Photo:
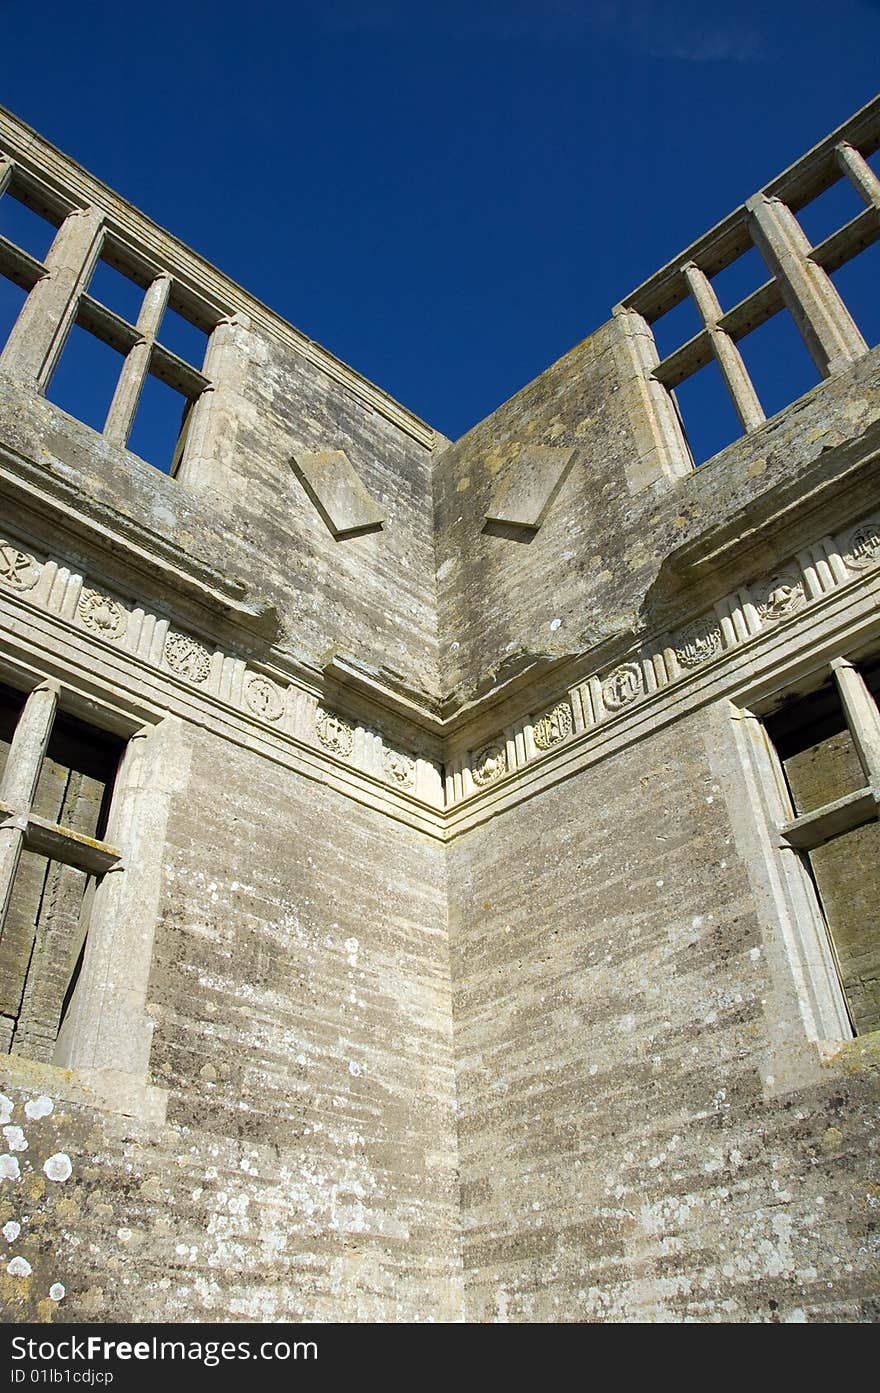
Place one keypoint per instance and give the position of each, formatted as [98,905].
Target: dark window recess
[160,425]
[676,326]
[817,751]
[706,412]
[778,362]
[183,338]
[42,941]
[12,297]
[740,278]
[24,227]
[85,378]
[11,703]
[117,291]
[838,205]
[858,283]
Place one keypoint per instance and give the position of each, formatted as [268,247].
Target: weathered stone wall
[300,986]
[623,1156]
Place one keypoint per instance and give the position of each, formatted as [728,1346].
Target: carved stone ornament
[778,596]
[263,698]
[187,657]
[622,686]
[17,568]
[400,769]
[334,733]
[863,547]
[554,726]
[489,763]
[101,614]
[698,643]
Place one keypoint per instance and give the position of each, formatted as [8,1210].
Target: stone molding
[396,771]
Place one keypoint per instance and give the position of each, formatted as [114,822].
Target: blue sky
[448,196]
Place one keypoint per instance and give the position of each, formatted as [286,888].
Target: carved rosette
[264,698]
[334,733]
[187,657]
[17,569]
[863,546]
[778,596]
[489,763]
[554,726]
[102,615]
[698,643]
[400,769]
[622,686]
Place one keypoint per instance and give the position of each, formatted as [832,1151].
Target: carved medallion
[187,657]
[101,614]
[334,733]
[863,547]
[400,769]
[622,686]
[17,568]
[264,698]
[489,763]
[698,643]
[553,726]
[778,596]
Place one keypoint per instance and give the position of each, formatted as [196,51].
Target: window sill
[109,1090]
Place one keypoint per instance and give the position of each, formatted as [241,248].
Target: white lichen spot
[754,954]
[11,1231]
[554,625]
[19,1267]
[594,1069]
[39,1107]
[15,1139]
[58,1167]
[57,1291]
[6,1106]
[9,1168]
[124,1235]
[354,1069]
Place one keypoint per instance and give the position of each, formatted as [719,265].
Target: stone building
[439,880]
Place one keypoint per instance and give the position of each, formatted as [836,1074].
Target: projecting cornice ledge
[137,557]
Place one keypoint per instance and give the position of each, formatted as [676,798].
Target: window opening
[707,417]
[85,378]
[26,228]
[777,362]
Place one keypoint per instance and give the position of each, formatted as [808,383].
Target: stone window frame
[104,1044]
[806,986]
[799,280]
[58,298]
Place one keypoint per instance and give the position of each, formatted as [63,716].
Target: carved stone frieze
[698,642]
[779,595]
[187,657]
[264,698]
[334,733]
[489,763]
[863,545]
[103,615]
[17,569]
[400,769]
[553,726]
[622,686]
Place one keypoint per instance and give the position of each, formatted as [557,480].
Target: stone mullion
[862,717]
[859,173]
[34,346]
[20,777]
[727,355]
[6,168]
[120,416]
[828,329]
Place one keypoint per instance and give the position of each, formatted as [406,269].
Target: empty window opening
[43,934]
[159,430]
[116,291]
[706,413]
[858,283]
[183,337]
[12,297]
[85,378]
[778,363]
[27,229]
[833,827]
[737,281]
[676,326]
[830,210]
